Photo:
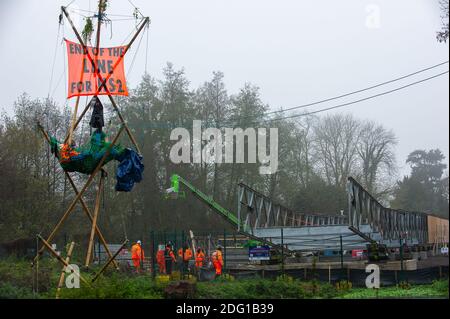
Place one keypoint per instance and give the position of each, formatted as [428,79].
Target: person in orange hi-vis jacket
[218,261]
[160,261]
[137,255]
[185,254]
[199,258]
[169,259]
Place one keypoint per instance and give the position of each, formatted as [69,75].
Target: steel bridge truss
[391,224]
[255,211]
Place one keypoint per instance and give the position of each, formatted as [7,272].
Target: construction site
[243,231]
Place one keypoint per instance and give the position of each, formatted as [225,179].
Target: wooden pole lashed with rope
[60,259]
[63,272]
[75,120]
[94,222]
[83,204]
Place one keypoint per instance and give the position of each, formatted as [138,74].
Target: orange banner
[83,78]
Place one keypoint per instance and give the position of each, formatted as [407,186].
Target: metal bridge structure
[260,218]
[276,223]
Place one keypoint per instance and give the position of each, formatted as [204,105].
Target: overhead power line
[357,91]
[359,100]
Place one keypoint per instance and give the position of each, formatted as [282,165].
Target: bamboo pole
[110,260]
[86,185]
[83,204]
[63,272]
[74,117]
[103,81]
[55,254]
[94,222]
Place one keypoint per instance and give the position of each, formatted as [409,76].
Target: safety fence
[356,276]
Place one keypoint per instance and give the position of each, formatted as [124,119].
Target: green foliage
[425,189]
[441,286]
[285,277]
[343,286]
[437,289]
[8,291]
[404,285]
[225,278]
[263,288]
[118,286]
[88,29]
[16,282]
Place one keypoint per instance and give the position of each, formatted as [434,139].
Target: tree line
[316,155]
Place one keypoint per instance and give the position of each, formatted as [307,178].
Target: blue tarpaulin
[129,171]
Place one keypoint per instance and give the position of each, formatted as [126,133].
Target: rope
[65,67]
[109,14]
[123,225]
[135,54]
[54,60]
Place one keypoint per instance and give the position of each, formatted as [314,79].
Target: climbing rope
[54,58]
[134,56]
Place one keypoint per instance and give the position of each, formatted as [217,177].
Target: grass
[439,289]
[16,283]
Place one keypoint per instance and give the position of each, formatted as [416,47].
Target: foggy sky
[296,51]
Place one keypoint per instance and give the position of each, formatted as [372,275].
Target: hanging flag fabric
[85,80]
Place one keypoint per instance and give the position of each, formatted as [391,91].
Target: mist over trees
[426,189]
[316,155]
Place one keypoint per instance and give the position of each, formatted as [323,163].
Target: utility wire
[360,100]
[357,91]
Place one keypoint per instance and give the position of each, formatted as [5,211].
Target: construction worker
[137,255]
[184,254]
[217,260]
[169,258]
[160,260]
[199,258]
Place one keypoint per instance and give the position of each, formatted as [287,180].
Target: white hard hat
[139,242]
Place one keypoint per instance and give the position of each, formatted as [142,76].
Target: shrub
[441,286]
[404,285]
[285,277]
[8,291]
[225,277]
[343,286]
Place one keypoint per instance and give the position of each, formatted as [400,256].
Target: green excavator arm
[174,192]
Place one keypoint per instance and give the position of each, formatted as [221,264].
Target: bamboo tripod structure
[93,217]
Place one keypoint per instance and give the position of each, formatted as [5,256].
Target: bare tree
[376,152]
[442,35]
[336,140]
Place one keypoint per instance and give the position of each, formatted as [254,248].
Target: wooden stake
[110,260]
[55,254]
[63,272]
[94,222]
